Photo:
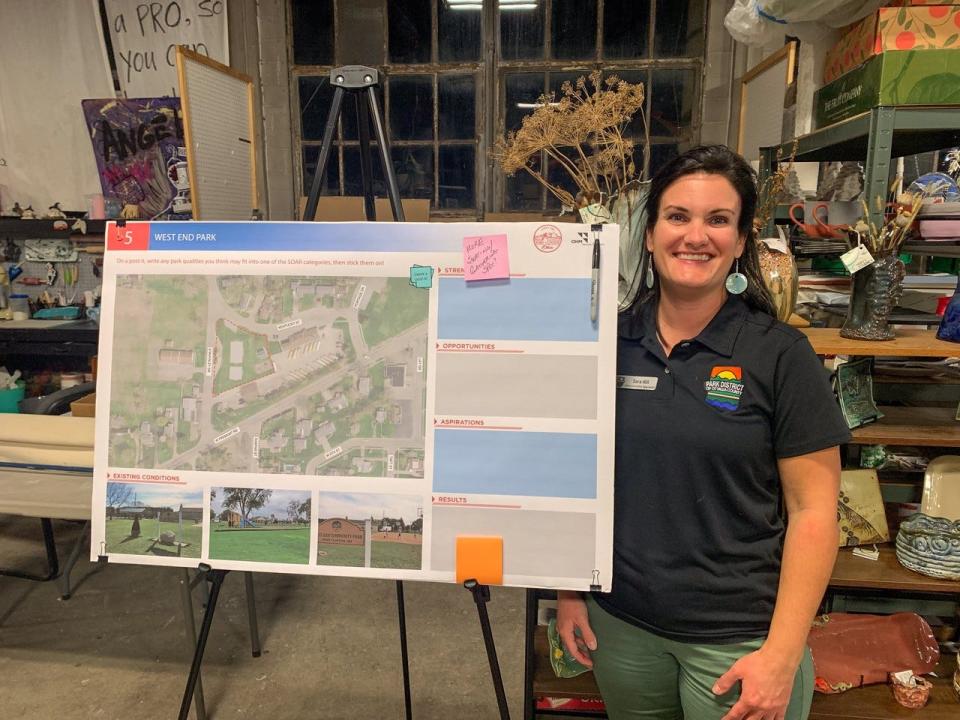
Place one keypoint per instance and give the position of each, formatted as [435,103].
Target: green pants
[642,675]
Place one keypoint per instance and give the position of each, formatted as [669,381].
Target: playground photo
[370,530]
[260,525]
[157,520]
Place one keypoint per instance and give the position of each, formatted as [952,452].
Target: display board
[144,36]
[218,124]
[338,398]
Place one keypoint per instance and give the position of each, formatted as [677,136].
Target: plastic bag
[762,22]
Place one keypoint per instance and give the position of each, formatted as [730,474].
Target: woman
[722,414]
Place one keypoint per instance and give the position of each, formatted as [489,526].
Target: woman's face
[695,241]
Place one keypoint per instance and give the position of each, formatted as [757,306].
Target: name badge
[636,382]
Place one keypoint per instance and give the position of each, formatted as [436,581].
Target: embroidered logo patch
[724,387]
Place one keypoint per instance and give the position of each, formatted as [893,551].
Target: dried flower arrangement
[584,133]
[887,239]
[772,189]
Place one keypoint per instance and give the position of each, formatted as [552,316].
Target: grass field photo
[260,525]
[153,520]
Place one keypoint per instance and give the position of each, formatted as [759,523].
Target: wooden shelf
[43,228]
[922,426]
[874,702]
[886,574]
[910,342]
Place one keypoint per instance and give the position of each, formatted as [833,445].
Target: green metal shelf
[873,137]
[915,129]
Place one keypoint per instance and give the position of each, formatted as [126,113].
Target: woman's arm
[811,484]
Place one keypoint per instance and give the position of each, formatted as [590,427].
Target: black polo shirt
[697,529]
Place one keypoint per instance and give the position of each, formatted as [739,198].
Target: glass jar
[20,306]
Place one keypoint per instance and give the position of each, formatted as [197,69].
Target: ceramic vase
[930,546]
[779,272]
[875,293]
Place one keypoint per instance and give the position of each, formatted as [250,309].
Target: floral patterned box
[916,26]
[907,77]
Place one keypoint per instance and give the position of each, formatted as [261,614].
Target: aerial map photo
[269,374]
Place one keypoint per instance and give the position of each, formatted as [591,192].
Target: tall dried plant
[584,133]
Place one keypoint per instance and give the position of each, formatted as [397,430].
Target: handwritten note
[145,36]
[485,257]
[421,276]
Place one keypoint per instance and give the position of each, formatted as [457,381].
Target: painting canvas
[141,155]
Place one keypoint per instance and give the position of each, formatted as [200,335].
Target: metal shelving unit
[875,137]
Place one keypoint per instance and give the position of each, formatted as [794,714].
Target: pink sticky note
[485,257]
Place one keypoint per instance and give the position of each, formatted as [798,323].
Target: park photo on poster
[157,520]
[260,525]
[370,530]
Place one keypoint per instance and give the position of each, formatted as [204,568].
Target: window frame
[489,73]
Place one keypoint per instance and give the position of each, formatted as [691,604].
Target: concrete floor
[118,649]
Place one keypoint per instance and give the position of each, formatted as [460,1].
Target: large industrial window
[460,73]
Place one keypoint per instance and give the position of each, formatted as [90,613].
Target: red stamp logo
[132,236]
[547,238]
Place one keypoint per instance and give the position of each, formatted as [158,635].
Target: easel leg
[481,596]
[393,189]
[215,578]
[252,615]
[186,595]
[404,657]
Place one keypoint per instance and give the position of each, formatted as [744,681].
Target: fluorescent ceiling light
[504,4]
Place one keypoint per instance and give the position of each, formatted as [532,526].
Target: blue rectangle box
[498,462]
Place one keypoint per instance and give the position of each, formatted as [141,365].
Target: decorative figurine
[28,213]
[55,213]
[17,210]
[51,273]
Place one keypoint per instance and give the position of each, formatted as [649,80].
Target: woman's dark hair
[714,160]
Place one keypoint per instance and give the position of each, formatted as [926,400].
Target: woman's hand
[765,686]
[572,616]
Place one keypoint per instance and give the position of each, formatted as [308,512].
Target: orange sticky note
[485,257]
[480,558]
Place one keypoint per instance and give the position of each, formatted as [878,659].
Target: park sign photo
[352,398]
[339,531]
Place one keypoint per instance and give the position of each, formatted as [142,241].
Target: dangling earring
[648,279]
[736,282]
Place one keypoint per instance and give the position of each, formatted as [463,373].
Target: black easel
[215,579]
[481,596]
[361,82]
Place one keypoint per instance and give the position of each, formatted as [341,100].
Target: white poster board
[336,399]
[763,90]
[145,36]
[220,137]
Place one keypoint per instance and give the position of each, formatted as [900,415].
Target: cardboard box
[85,406]
[349,208]
[909,77]
[915,27]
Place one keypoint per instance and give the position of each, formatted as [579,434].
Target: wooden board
[217,106]
[910,342]
[924,426]
[886,573]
